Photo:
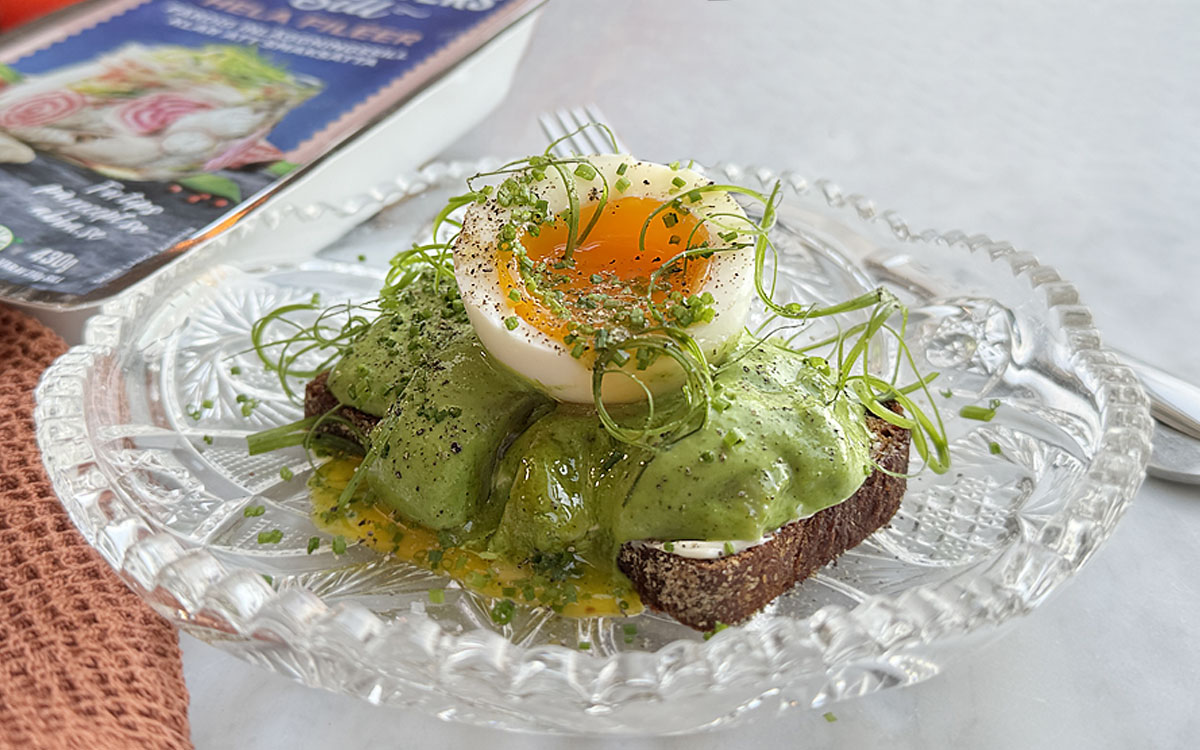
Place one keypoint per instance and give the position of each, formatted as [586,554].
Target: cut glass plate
[143,436]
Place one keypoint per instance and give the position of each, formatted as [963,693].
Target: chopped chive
[670,219]
[728,548]
[270,581]
[733,437]
[946,393]
[994,448]
[207,403]
[235,370]
[718,626]
[437,596]
[674,165]
[584,646]
[585,171]
[577,351]
[622,184]
[313,543]
[621,169]
[829,717]
[679,182]
[253,511]
[994,403]
[339,545]
[274,536]
[694,196]
[511,322]
[502,612]
[208,440]
[286,474]
[596,278]
[514,295]
[977,412]
[668,546]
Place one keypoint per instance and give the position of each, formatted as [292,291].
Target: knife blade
[1175,406]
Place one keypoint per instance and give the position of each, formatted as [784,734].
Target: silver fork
[576,127]
[1175,404]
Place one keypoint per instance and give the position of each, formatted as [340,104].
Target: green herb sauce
[475,452]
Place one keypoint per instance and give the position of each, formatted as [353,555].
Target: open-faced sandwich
[557,401]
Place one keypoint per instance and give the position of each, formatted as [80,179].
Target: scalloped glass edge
[782,662]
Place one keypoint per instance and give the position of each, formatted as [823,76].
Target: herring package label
[133,129]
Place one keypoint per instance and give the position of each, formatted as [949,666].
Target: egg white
[548,362]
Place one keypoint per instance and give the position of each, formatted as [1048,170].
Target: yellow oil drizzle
[597,593]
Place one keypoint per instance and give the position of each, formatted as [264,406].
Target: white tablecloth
[1071,130]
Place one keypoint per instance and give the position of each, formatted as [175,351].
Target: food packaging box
[133,131]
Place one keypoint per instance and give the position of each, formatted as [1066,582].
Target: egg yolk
[607,279]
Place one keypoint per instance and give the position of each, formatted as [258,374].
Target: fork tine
[593,114]
[598,142]
[589,140]
[579,143]
[590,134]
[554,131]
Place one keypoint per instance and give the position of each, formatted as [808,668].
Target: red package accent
[13,13]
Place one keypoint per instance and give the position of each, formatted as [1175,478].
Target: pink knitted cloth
[83,662]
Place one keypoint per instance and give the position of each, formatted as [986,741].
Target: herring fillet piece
[703,592]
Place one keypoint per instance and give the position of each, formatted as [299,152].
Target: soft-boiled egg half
[544,311]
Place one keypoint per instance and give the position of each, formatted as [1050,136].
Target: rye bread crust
[318,400]
[729,589]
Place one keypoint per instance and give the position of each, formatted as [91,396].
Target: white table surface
[1069,129]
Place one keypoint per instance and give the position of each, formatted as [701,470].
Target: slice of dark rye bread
[703,592]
